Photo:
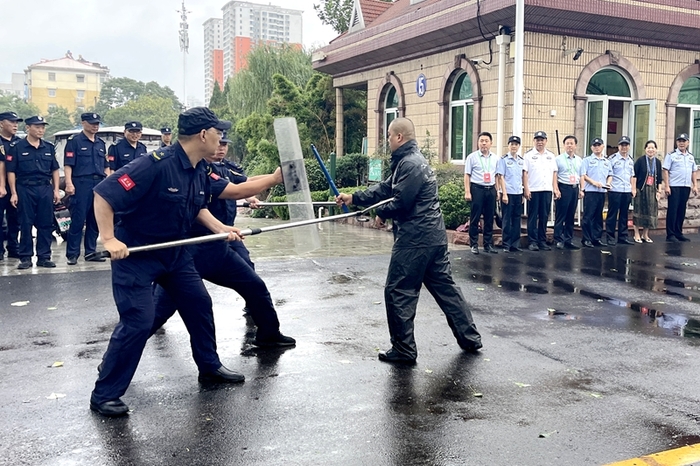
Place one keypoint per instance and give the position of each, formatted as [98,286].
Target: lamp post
[184,48]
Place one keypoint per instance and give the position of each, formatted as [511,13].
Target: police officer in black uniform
[85,165]
[32,171]
[8,135]
[158,198]
[127,149]
[166,136]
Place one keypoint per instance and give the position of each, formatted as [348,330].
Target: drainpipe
[502,40]
[518,79]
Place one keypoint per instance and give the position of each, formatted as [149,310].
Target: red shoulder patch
[126,182]
[8,158]
[69,154]
[215,177]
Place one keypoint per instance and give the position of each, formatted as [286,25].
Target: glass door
[596,120]
[695,135]
[643,125]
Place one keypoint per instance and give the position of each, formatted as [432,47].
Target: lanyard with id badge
[486,170]
[650,172]
[572,173]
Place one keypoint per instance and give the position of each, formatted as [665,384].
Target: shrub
[351,170]
[455,209]
[448,173]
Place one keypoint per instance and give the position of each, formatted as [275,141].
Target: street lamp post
[184,48]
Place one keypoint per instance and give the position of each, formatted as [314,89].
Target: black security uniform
[419,255]
[221,265]
[88,160]
[235,175]
[33,168]
[7,209]
[123,152]
[158,198]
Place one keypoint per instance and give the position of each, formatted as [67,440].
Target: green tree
[335,13]
[118,91]
[218,100]
[59,119]
[14,103]
[152,111]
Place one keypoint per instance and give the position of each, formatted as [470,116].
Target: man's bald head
[401,130]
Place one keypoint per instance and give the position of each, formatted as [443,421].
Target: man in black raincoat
[419,256]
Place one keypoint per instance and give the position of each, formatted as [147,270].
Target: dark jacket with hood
[415,210]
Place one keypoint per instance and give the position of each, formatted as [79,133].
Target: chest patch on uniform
[69,154]
[126,182]
[215,177]
[173,190]
[110,158]
[8,158]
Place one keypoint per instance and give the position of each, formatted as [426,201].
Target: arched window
[391,108]
[461,118]
[688,113]
[608,82]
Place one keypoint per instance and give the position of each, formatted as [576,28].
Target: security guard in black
[127,149]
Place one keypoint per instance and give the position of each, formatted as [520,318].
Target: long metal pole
[245,232]
[518,76]
[502,41]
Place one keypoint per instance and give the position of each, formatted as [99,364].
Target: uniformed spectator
[539,182]
[159,197]
[166,135]
[127,149]
[33,175]
[85,165]
[228,267]
[509,173]
[623,188]
[480,190]
[595,174]
[648,175]
[679,179]
[8,135]
[568,164]
[419,256]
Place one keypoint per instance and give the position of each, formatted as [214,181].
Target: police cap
[514,139]
[91,118]
[597,142]
[683,137]
[540,135]
[195,119]
[225,139]
[133,126]
[623,140]
[166,130]
[9,116]
[35,120]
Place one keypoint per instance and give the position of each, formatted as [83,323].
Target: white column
[518,79]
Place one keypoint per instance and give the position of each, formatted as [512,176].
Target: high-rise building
[244,25]
[213,56]
[65,82]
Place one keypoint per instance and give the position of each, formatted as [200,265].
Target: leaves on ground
[19,303]
[55,396]
[547,434]
[596,395]
[57,364]
[522,385]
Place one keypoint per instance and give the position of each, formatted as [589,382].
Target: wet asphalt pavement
[589,357]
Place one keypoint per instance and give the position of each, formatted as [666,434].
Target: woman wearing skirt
[647,173]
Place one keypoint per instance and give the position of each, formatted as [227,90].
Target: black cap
[194,120]
[540,135]
[681,137]
[225,139]
[597,142]
[35,120]
[166,130]
[9,116]
[91,118]
[133,125]
[623,140]
[514,139]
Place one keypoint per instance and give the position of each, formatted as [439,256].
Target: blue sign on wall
[421,85]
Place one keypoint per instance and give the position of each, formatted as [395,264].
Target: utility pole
[184,48]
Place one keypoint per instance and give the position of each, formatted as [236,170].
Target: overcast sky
[134,38]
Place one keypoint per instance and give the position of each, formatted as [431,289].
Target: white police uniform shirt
[680,168]
[481,169]
[598,169]
[568,169]
[622,172]
[540,168]
[511,169]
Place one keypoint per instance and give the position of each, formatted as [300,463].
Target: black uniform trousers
[483,203]
[410,268]
[216,262]
[82,215]
[35,208]
[592,227]
[537,215]
[239,248]
[565,212]
[10,213]
[618,214]
[512,212]
[677,203]
[132,286]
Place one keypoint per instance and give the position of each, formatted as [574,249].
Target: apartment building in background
[15,86]
[65,82]
[244,25]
